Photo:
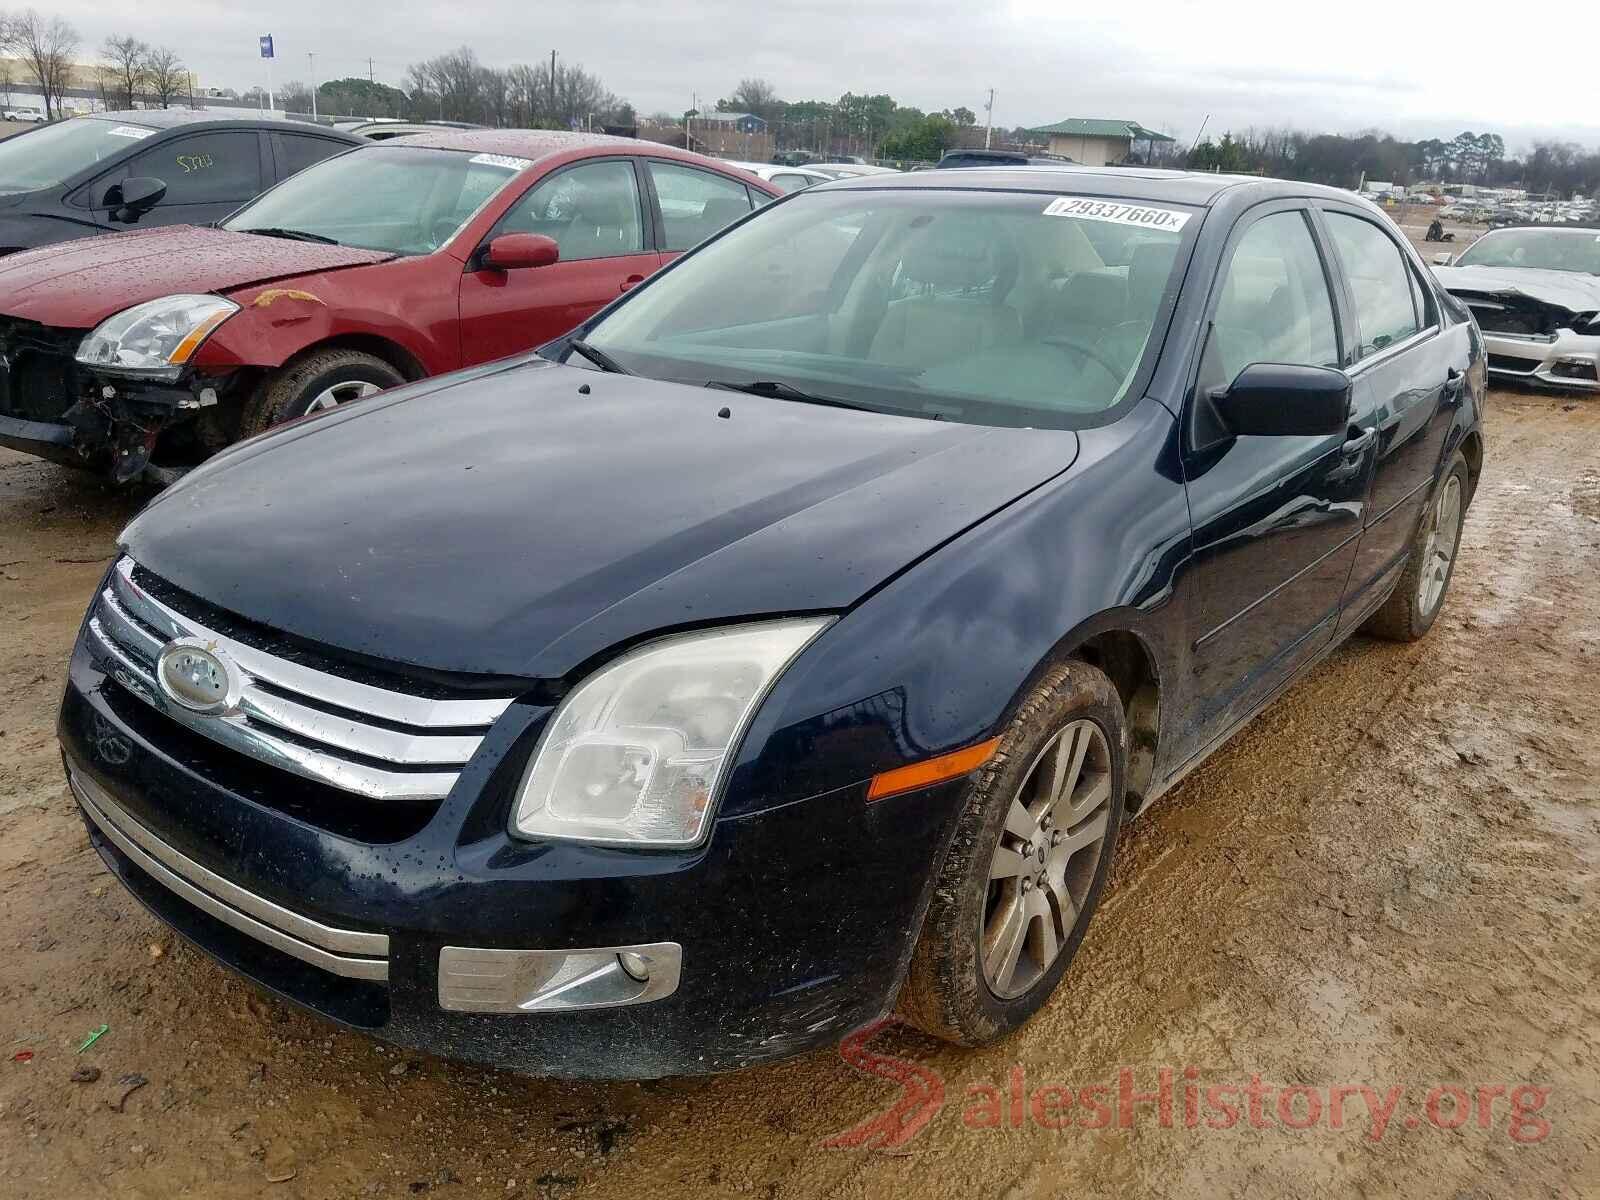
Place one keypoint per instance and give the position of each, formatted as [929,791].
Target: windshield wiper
[778,390]
[294,235]
[598,357]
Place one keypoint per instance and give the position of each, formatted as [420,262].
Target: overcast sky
[1358,64]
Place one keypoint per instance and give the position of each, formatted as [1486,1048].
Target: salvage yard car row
[786,639]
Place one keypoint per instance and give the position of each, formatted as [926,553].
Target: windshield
[405,200]
[52,154]
[1549,249]
[992,308]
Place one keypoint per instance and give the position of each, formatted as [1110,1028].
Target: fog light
[485,979]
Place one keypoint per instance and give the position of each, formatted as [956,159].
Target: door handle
[1356,438]
[1453,382]
[631,282]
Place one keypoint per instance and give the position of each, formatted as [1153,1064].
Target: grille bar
[347,952]
[280,718]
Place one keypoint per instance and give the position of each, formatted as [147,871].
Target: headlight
[157,338]
[634,756]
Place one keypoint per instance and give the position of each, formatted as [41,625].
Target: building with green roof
[1095,142]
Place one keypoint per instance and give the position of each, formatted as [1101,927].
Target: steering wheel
[1089,351]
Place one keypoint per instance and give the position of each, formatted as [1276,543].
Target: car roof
[1133,183]
[174,118]
[535,144]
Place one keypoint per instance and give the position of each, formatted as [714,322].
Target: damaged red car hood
[76,285]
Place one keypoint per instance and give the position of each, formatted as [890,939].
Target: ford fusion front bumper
[787,929]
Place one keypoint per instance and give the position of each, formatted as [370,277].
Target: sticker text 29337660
[1144,216]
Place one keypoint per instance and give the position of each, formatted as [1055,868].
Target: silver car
[1535,292]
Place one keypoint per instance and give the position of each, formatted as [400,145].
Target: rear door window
[695,204]
[1385,302]
[297,151]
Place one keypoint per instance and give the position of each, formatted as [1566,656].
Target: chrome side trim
[397,707]
[310,941]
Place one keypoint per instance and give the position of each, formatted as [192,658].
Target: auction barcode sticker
[1142,215]
[131,131]
[509,162]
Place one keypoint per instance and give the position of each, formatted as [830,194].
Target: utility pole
[311,59]
[688,120]
[988,119]
[552,85]
[370,77]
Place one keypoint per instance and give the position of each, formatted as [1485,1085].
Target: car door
[1404,389]
[207,174]
[1276,520]
[692,204]
[594,210]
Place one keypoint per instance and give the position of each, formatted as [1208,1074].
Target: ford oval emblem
[194,674]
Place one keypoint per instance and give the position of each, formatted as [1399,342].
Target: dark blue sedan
[791,641]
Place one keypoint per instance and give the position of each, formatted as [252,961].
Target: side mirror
[1443,260]
[135,197]
[1280,400]
[517,251]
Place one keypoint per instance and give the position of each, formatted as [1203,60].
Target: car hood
[1561,289]
[504,523]
[78,284]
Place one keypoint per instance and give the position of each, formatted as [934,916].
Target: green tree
[923,142]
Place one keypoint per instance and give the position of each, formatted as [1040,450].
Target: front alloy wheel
[1044,863]
[1032,845]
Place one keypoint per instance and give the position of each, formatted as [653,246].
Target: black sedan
[125,170]
[791,641]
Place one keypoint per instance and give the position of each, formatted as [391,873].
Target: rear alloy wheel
[322,380]
[1026,865]
[1412,607]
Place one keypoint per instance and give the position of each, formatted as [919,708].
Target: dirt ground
[1389,880]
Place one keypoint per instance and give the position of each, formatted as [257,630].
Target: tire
[950,992]
[1412,608]
[307,383]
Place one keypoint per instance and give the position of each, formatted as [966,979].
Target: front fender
[939,657]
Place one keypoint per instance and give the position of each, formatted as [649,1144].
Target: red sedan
[146,351]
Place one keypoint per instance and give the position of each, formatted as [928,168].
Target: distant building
[1095,142]
[738,122]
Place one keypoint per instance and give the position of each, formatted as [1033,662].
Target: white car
[24,114]
[1535,292]
[790,179]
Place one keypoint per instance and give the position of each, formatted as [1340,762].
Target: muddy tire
[320,380]
[1418,598]
[958,987]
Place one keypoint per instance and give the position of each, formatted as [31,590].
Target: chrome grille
[370,741]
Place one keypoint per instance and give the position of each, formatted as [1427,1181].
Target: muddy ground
[1389,880]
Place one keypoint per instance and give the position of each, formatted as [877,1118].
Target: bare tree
[165,75]
[294,97]
[124,68]
[7,77]
[46,47]
[756,96]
